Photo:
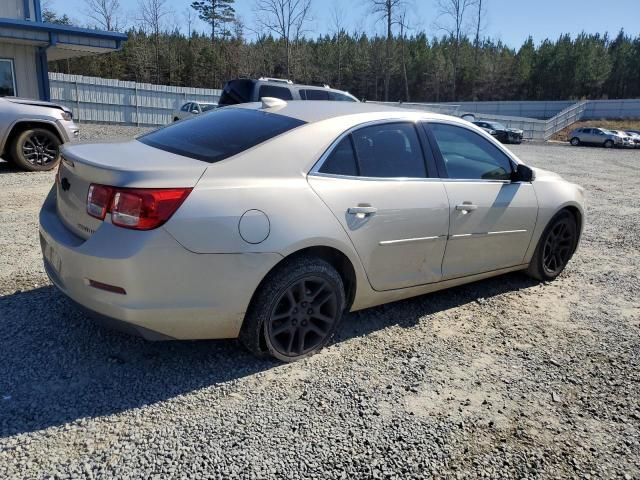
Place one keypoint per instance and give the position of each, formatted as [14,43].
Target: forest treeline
[417,67]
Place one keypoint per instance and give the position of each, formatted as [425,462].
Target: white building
[27,44]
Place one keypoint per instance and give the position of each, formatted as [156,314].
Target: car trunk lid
[129,164]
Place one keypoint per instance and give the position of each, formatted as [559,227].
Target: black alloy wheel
[555,248]
[37,149]
[303,316]
[296,309]
[40,149]
[558,246]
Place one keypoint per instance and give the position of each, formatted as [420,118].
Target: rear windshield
[219,134]
[236,91]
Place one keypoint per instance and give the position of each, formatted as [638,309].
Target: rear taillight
[98,200]
[136,208]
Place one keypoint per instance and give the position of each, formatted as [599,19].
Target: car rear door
[377,184]
[491,218]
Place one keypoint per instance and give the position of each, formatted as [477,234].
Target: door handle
[362,211]
[466,208]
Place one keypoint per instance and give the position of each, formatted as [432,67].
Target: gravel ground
[504,378]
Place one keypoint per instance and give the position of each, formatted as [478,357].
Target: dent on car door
[376,183]
[491,217]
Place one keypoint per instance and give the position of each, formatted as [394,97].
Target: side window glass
[340,97]
[282,93]
[389,150]
[467,155]
[186,107]
[342,160]
[316,94]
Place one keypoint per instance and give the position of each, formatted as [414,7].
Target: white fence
[102,100]
[543,110]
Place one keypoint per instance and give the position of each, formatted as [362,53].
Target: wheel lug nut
[310,311]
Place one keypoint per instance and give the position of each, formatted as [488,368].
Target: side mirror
[523,173]
[196,112]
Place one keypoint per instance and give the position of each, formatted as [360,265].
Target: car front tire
[555,247]
[608,144]
[575,141]
[36,150]
[295,311]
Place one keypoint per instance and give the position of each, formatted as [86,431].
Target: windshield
[220,134]
[208,106]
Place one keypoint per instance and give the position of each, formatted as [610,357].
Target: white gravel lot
[504,378]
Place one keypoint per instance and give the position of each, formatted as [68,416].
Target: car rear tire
[295,311]
[575,141]
[36,150]
[608,144]
[555,247]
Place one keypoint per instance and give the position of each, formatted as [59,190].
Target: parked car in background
[202,229]
[501,132]
[635,136]
[31,132]
[191,108]
[627,140]
[595,136]
[244,90]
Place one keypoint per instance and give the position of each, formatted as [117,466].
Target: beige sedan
[267,221]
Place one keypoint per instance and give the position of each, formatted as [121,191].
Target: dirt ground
[504,378]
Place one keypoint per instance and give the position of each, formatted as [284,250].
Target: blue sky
[511,21]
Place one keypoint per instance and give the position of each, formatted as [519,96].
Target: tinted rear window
[282,93]
[219,134]
[236,91]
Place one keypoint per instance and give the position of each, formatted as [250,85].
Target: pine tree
[217,13]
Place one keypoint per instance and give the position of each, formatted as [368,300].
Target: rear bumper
[171,293]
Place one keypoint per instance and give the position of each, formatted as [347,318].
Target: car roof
[317,111]
[290,84]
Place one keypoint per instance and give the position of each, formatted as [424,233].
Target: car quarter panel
[169,290]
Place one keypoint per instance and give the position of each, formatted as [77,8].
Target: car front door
[389,201]
[491,217]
